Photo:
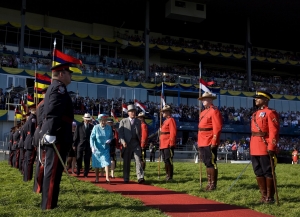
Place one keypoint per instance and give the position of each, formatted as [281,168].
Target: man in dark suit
[130,137]
[82,144]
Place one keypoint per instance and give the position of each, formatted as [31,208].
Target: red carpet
[170,202]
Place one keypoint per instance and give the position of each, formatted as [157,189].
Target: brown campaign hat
[141,115]
[208,95]
[166,108]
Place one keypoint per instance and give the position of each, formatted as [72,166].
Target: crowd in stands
[130,70]
[206,45]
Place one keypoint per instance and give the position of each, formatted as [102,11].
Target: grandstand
[114,66]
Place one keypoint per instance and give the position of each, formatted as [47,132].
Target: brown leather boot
[261,181]
[208,172]
[216,177]
[213,179]
[169,172]
[270,190]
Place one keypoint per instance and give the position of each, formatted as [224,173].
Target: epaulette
[271,109]
[214,107]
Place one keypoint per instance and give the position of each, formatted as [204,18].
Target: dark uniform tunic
[22,150]
[39,170]
[58,122]
[15,148]
[30,154]
[11,153]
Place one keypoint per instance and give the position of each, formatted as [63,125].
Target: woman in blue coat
[100,139]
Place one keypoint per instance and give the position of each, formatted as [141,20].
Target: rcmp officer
[113,145]
[295,156]
[263,144]
[167,139]
[209,131]
[39,169]
[56,130]
[10,143]
[30,154]
[144,137]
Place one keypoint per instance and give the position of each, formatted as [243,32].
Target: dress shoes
[140,181]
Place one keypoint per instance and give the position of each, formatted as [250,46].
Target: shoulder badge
[61,90]
[262,114]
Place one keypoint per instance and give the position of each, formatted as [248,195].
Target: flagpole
[122,107]
[160,121]
[200,108]
[36,94]
[54,43]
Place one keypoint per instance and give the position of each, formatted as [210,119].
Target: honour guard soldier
[30,154]
[295,156]
[167,139]
[10,143]
[40,160]
[263,145]
[15,148]
[57,131]
[209,131]
[23,135]
[144,137]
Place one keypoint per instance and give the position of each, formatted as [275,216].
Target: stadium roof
[274,23]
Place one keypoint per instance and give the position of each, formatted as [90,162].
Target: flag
[162,95]
[203,85]
[41,82]
[42,79]
[59,58]
[18,114]
[30,100]
[124,108]
[140,105]
[112,113]
[23,107]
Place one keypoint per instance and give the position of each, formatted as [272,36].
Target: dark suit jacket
[82,137]
[125,130]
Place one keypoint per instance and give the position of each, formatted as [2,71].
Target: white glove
[49,139]
[93,150]
[108,141]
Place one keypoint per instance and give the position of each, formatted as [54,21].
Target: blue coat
[101,155]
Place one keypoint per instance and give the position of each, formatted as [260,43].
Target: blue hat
[101,117]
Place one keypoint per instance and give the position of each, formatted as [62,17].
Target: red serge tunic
[168,133]
[267,122]
[210,126]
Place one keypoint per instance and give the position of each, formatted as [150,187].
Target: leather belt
[162,133]
[205,129]
[259,133]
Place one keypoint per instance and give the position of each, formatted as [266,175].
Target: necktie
[132,121]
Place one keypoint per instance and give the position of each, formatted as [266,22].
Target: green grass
[244,192]
[17,198]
